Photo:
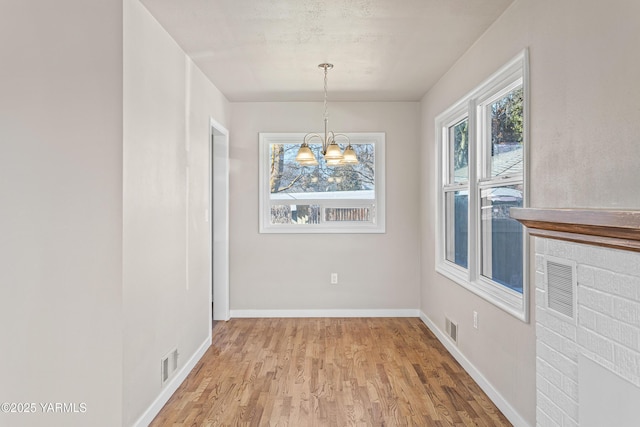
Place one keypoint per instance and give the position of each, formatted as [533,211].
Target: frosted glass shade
[305,156]
[333,152]
[349,156]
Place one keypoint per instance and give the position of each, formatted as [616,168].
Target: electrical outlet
[475,319]
[334,278]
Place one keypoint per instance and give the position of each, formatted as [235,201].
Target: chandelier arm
[342,135]
[308,137]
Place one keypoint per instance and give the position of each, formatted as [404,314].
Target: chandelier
[331,151]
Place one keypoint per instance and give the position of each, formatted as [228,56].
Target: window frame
[509,77]
[378,225]
[456,114]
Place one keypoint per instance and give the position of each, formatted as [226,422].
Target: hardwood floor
[328,372]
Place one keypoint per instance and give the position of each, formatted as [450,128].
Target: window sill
[506,299]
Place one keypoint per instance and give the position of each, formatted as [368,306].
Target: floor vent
[452,330]
[168,365]
[561,287]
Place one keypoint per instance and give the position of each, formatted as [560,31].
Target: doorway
[219,214]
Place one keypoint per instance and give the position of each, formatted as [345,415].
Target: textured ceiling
[268,50]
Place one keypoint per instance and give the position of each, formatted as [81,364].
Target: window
[322,198]
[482,142]
[456,191]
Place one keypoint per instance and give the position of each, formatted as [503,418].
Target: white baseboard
[512,415]
[173,384]
[402,312]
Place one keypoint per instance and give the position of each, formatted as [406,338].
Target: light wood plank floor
[328,372]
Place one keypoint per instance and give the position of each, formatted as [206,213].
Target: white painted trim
[400,312]
[502,404]
[171,386]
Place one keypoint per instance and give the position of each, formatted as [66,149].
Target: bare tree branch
[291,184]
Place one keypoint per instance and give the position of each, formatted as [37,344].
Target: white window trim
[470,278]
[378,226]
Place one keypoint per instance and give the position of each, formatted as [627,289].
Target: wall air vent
[164,368]
[452,329]
[168,365]
[560,278]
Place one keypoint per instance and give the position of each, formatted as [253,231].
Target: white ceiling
[269,50]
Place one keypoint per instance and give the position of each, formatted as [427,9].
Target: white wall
[285,271]
[583,153]
[168,104]
[61,210]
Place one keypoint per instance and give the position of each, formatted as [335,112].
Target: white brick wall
[606,328]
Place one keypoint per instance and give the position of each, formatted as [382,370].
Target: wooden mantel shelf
[613,229]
